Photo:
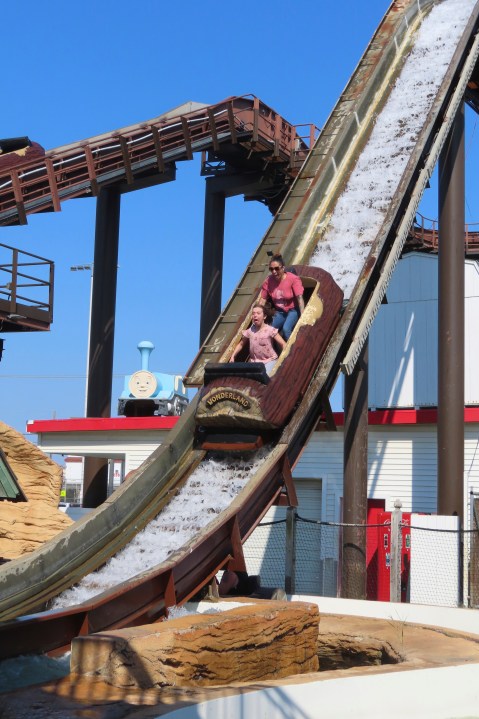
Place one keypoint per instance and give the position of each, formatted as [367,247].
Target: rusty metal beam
[136,152]
[255,120]
[158,149]
[90,163]
[22,216]
[214,134]
[53,184]
[231,123]
[289,483]
[237,563]
[187,137]
[126,159]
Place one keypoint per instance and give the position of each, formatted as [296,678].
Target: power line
[48,376]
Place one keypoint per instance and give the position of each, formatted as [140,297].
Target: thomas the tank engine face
[148,393]
[142,384]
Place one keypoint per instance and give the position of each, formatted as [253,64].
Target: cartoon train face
[148,393]
[240,406]
[142,384]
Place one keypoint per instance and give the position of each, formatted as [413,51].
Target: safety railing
[425,234]
[77,170]
[26,289]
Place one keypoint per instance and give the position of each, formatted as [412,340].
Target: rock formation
[24,526]
[266,640]
[343,651]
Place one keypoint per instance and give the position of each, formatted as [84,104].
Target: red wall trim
[407,416]
[102,424]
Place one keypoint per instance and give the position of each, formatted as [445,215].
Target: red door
[375,509]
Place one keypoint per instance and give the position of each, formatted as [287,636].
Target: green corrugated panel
[9,487]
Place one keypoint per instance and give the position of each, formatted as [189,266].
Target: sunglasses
[278,268]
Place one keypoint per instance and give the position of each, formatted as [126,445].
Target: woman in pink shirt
[285,292]
[261,338]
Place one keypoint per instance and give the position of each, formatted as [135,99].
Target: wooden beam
[90,163]
[170,591]
[126,160]
[53,184]
[214,134]
[289,483]
[17,191]
[237,564]
[231,123]
[158,150]
[255,119]
[328,412]
[187,136]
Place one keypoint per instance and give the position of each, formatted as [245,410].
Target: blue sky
[81,69]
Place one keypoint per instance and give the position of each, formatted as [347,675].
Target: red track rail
[424,236]
[147,150]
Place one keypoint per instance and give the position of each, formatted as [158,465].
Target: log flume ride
[299,228]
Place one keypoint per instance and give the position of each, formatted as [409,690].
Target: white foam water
[362,206]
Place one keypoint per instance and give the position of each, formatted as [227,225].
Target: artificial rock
[25,526]
[265,640]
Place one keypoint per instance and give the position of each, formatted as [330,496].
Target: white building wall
[402,463]
[403,338]
[73,471]
[471,378]
[471,458]
[132,447]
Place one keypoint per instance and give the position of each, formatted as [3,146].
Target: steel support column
[251,185]
[355,491]
[213,240]
[102,334]
[450,424]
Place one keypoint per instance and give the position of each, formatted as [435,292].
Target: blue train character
[151,393]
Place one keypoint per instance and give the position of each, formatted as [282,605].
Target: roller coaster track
[27,583]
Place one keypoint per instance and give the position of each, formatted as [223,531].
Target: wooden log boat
[240,406]
[15,151]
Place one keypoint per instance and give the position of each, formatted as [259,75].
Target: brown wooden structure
[239,132]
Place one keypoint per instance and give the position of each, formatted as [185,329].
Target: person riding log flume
[261,338]
[285,292]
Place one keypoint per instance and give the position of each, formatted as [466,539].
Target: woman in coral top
[261,338]
[285,292]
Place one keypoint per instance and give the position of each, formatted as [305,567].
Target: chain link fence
[435,564]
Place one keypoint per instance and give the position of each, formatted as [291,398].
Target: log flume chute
[295,231]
